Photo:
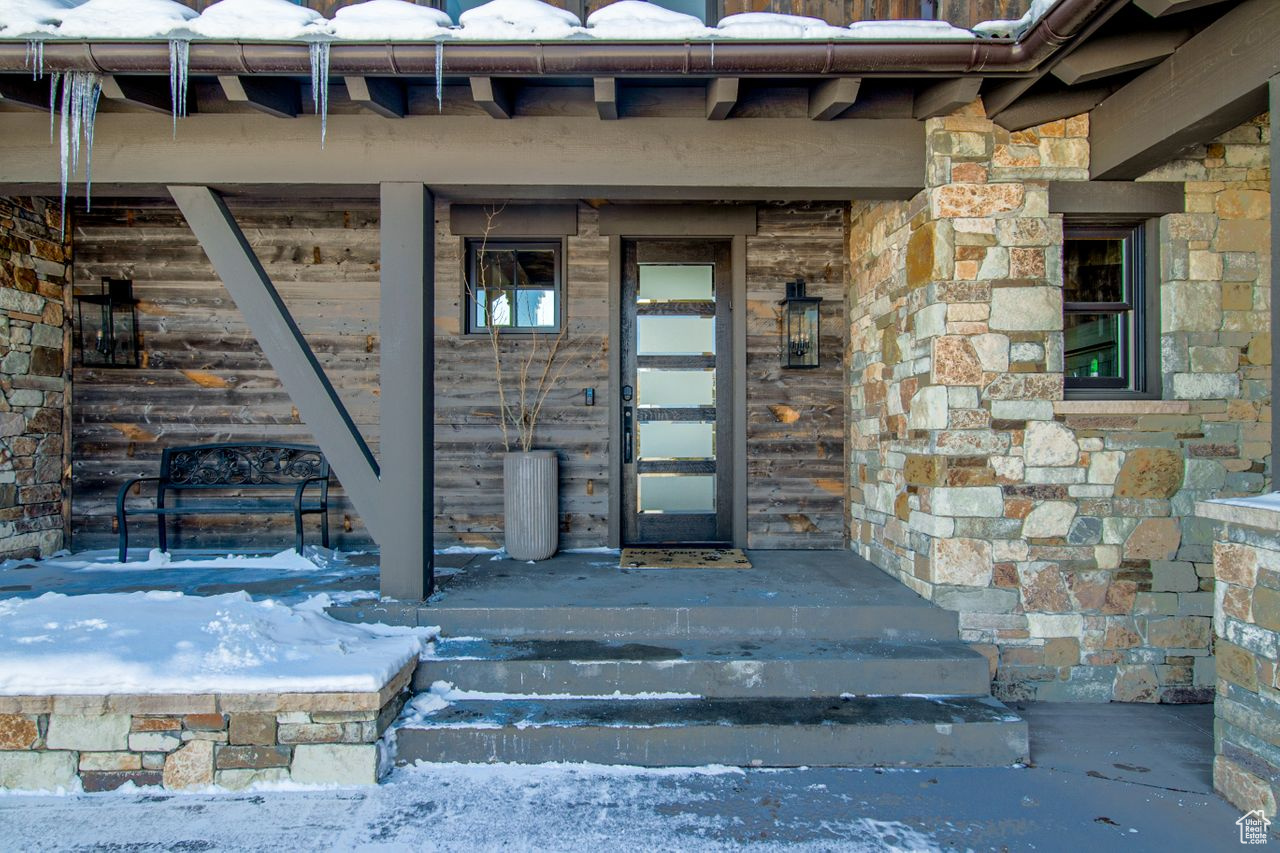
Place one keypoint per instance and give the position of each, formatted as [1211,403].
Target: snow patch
[20,18]
[289,560]
[1018,27]
[907,31]
[770,25]
[167,642]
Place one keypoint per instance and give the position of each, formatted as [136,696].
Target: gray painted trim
[407,339]
[615,392]
[1119,199]
[514,220]
[677,220]
[472,157]
[1212,83]
[1273,91]
[738,320]
[284,346]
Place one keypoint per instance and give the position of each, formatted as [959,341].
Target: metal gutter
[585,58]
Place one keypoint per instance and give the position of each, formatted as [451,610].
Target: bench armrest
[297,494]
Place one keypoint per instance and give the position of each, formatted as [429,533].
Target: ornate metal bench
[236,470]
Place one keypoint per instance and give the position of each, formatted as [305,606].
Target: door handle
[628,432]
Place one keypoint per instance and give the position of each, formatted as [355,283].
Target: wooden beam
[1105,57]
[832,97]
[1158,8]
[1117,199]
[577,156]
[999,95]
[146,92]
[606,95]
[492,96]
[274,96]
[946,97]
[379,95]
[513,221]
[722,94]
[286,349]
[1038,109]
[406,343]
[1211,84]
[25,92]
[677,220]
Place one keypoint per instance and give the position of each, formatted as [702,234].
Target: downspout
[587,58]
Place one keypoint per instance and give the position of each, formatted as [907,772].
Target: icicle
[179,53]
[54,79]
[35,58]
[79,109]
[713,54]
[439,76]
[320,84]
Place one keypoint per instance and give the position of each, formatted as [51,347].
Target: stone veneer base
[177,741]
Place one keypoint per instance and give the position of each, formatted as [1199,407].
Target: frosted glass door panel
[675,283]
[673,440]
[675,335]
[675,388]
[672,493]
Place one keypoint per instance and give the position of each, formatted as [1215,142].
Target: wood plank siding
[962,13]
[205,379]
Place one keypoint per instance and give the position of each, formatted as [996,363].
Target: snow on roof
[397,20]
[167,642]
[1016,27]
[636,19]
[390,20]
[259,19]
[124,19]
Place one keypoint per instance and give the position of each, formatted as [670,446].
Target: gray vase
[531,504]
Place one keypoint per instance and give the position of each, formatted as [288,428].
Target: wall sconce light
[107,324]
[801,327]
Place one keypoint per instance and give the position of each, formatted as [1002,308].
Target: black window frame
[473,246]
[1139,335]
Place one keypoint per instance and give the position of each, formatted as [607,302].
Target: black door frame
[735,222]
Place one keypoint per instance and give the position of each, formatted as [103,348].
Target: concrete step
[891,731]
[910,622]
[711,668]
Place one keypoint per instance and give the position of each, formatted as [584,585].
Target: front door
[676,392]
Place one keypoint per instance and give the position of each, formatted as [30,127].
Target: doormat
[683,558]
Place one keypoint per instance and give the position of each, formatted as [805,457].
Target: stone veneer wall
[35,335]
[1062,532]
[1246,622]
[98,743]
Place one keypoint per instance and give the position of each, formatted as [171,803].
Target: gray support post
[407,327]
[738,262]
[1273,92]
[284,346]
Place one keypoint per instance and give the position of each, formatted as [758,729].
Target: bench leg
[164,534]
[124,536]
[324,528]
[297,529]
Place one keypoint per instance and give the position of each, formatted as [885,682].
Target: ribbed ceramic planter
[531,504]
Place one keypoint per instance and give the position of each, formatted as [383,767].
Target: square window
[514,287]
[1104,313]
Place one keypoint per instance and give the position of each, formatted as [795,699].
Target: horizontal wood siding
[205,379]
[795,418]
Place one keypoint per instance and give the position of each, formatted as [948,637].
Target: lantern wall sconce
[801,327]
[107,325]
